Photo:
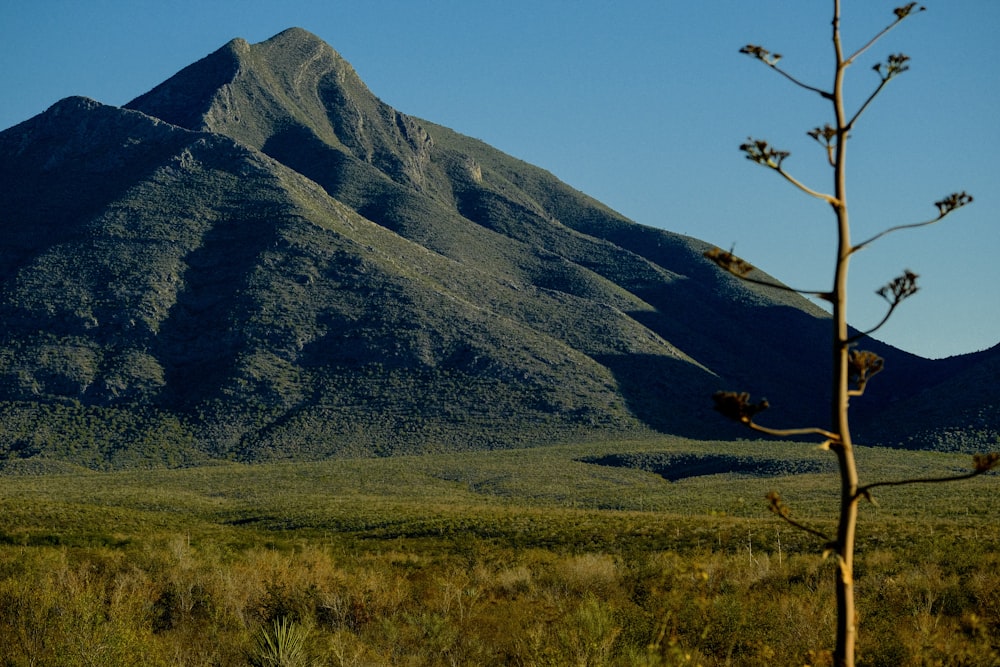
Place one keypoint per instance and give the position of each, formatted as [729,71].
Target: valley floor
[520,557]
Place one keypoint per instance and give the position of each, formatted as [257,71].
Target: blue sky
[641,104]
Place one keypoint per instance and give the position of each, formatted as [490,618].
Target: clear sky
[641,104]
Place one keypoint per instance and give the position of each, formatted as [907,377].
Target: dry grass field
[521,557]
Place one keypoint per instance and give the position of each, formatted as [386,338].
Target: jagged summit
[297,48]
[259,258]
[232,90]
[291,88]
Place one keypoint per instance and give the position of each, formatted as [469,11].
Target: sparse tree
[852,368]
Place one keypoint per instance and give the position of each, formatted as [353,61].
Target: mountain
[260,259]
[959,413]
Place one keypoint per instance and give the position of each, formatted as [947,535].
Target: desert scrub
[455,559]
[178,599]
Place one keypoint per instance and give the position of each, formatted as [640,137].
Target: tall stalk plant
[852,367]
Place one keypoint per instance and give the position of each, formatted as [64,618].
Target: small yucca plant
[281,645]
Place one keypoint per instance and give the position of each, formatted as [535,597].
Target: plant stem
[844,582]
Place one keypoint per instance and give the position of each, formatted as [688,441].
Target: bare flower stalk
[947,205]
[894,293]
[853,369]
[740,268]
[779,508]
[981,464]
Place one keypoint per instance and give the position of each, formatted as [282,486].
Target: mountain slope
[959,413]
[463,199]
[260,259]
[222,282]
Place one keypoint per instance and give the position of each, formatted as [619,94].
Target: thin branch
[897,228]
[854,56]
[771,60]
[898,290]
[762,153]
[801,526]
[778,507]
[822,294]
[901,13]
[864,106]
[789,432]
[949,204]
[822,93]
[829,157]
[829,199]
[738,407]
[855,338]
[983,464]
[896,64]
[741,268]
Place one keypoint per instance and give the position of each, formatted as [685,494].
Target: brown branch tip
[777,505]
[900,288]
[904,11]
[761,54]
[828,133]
[729,262]
[863,365]
[895,65]
[758,150]
[737,406]
[953,201]
[986,462]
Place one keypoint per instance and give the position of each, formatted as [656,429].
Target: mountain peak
[295,35]
[288,88]
[241,88]
[297,52]
[73,104]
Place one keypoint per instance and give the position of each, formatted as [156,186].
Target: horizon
[590,93]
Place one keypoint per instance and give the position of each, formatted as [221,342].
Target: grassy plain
[517,557]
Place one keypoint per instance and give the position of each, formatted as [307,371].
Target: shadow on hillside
[670,395]
[675,467]
[200,340]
